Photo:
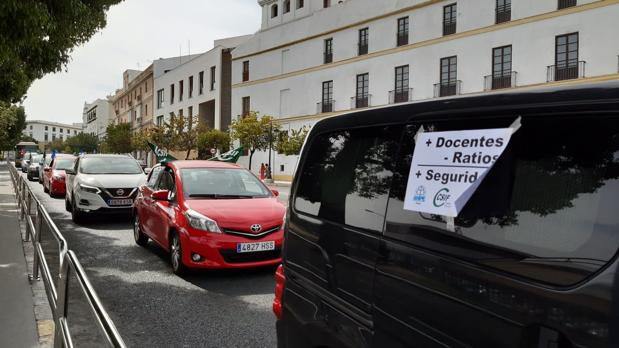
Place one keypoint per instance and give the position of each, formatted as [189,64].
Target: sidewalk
[17,323]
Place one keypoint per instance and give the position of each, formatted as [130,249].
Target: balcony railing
[363,48]
[503,13]
[447,89]
[498,81]
[361,101]
[449,28]
[567,71]
[328,57]
[402,39]
[400,95]
[566,3]
[325,106]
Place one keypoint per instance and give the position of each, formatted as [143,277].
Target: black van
[530,261]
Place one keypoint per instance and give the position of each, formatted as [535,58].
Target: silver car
[33,168]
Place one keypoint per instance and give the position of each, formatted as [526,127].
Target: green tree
[213,139]
[25,137]
[290,143]
[184,132]
[82,142]
[56,144]
[37,36]
[12,123]
[118,138]
[254,132]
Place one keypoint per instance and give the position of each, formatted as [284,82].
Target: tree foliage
[12,123]
[184,133]
[213,139]
[37,36]
[290,143]
[118,138]
[254,132]
[82,142]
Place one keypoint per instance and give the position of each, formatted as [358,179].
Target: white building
[317,58]
[199,87]
[45,131]
[97,116]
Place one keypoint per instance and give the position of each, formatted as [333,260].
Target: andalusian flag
[162,155]
[231,156]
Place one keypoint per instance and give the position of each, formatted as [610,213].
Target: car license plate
[252,247]
[120,202]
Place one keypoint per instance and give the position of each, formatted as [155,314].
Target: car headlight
[201,222]
[89,189]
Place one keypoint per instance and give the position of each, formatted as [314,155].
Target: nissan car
[210,215]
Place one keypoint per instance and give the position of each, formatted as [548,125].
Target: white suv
[102,184]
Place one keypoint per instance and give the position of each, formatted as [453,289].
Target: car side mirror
[275,192]
[70,171]
[161,195]
[47,169]
[147,170]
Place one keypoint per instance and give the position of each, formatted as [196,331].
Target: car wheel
[140,238]
[176,254]
[29,177]
[45,189]
[76,214]
[67,205]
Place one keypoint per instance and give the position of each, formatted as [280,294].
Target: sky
[137,32]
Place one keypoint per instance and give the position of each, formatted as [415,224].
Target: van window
[547,210]
[346,176]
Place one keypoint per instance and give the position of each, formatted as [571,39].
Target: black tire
[46,190]
[140,238]
[67,205]
[176,254]
[29,177]
[77,216]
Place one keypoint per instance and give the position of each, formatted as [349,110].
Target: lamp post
[269,177]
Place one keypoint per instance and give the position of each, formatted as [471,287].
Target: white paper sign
[448,167]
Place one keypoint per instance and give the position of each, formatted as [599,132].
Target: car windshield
[64,163]
[37,158]
[110,165]
[222,183]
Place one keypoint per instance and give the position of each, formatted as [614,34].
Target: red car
[54,176]
[210,215]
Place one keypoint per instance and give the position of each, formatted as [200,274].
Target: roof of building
[49,123]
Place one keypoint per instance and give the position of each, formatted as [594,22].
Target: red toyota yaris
[54,176]
[210,215]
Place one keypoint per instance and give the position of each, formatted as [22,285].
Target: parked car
[102,184]
[209,215]
[32,172]
[54,175]
[47,160]
[26,160]
[529,261]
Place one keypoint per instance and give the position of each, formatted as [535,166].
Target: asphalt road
[152,307]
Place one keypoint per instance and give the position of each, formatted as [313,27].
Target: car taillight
[280,283]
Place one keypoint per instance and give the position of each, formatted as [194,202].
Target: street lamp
[269,177]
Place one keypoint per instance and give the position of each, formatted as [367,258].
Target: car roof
[526,98]
[105,155]
[202,164]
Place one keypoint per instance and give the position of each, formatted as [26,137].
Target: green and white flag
[162,155]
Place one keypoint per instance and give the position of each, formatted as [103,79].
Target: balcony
[400,95]
[402,39]
[325,106]
[449,27]
[328,57]
[503,13]
[499,81]
[566,71]
[363,48]
[566,3]
[447,89]
[361,101]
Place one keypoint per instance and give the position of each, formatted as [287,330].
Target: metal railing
[361,101]
[499,81]
[446,89]
[402,39]
[400,95]
[325,106]
[566,71]
[328,57]
[449,27]
[363,48]
[565,4]
[56,265]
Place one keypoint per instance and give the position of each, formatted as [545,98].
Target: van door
[525,264]
[336,217]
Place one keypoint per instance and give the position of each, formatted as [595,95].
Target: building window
[212,78]
[286,6]
[46,128]
[30,127]
[190,86]
[61,130]
[171,94]
[180,113]
[503,11]
[449,19]
[362,97]
[181,84]
[449,76]
[326,3]
[566,3]
[190,112]
[53,129]
[403,31]
[300,4]
[566,57]
[160,120]
[363,41]
[327,97]
[53,137]
[201,82]
[274,11]
[502,67]
[46,137]
[145,109]
[145,87]
[160,98]
[328,51]
[401,93]
[246,70]
[245,107]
